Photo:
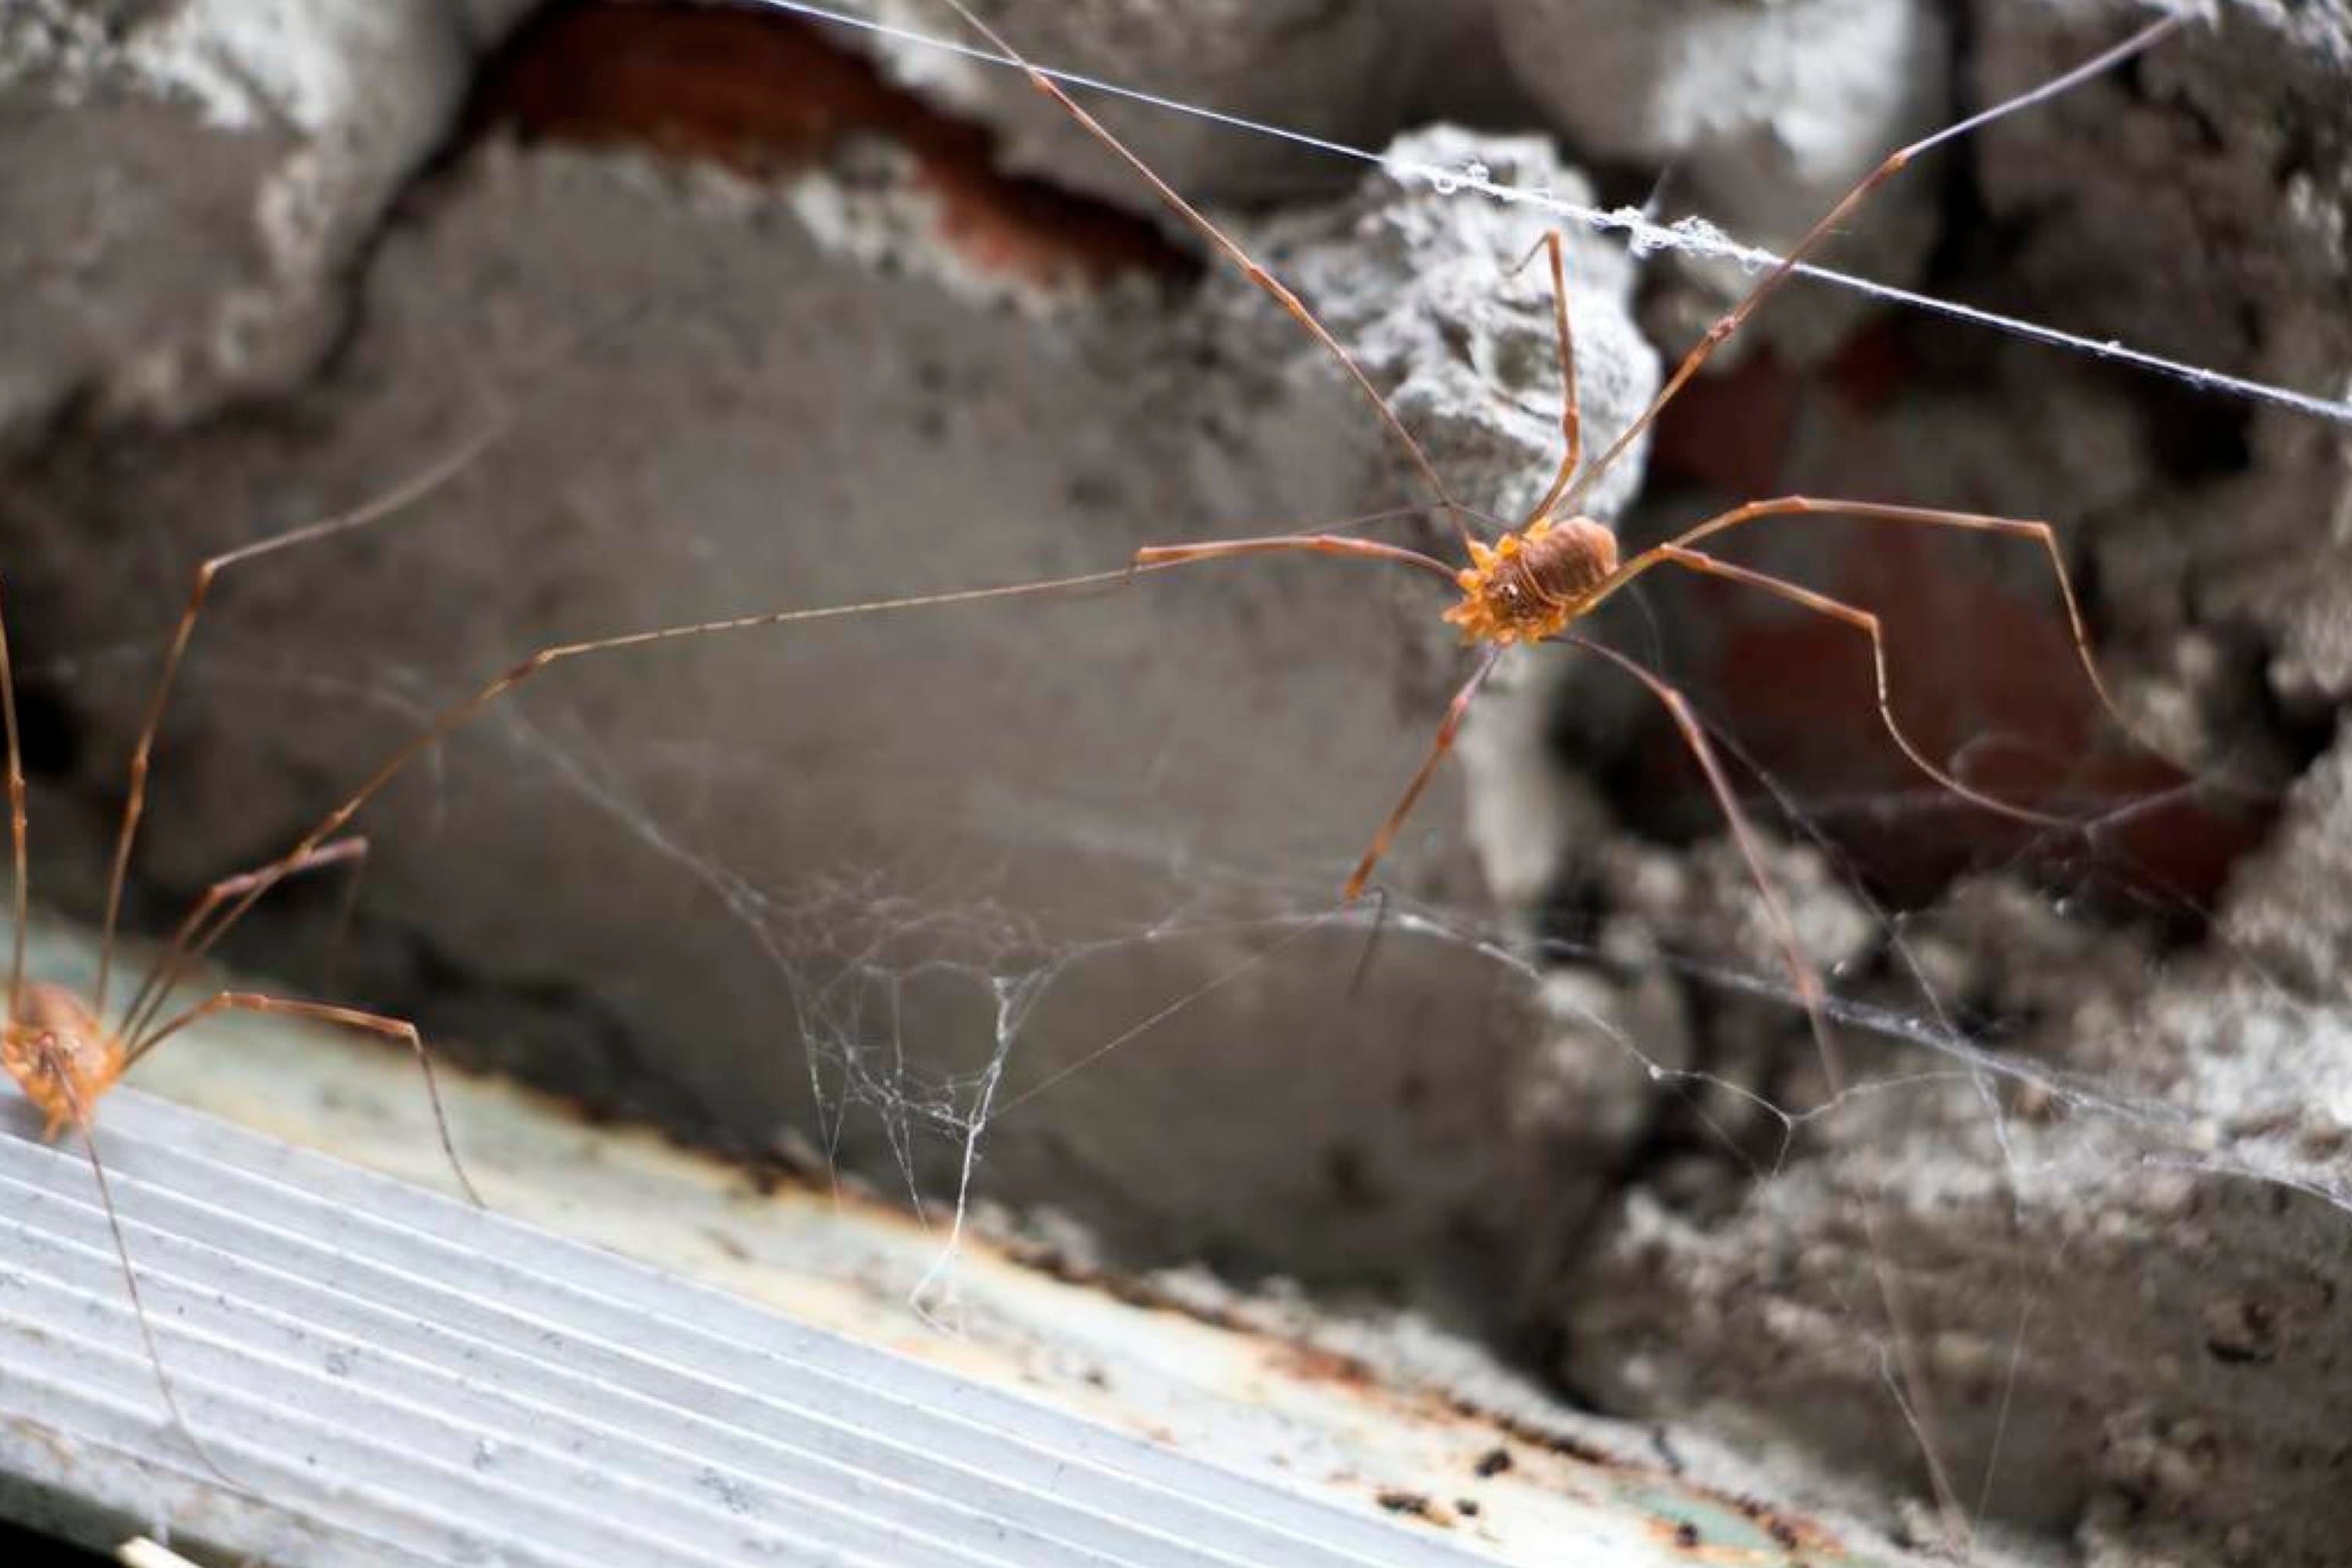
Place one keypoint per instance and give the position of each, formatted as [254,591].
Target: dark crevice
[767,95]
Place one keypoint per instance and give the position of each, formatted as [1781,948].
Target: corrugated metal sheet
[397,1378]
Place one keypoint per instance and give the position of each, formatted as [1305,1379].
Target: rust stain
[1312,1363]
[1982,674]
[767,95]
[1791,1542]
[1416,1505]
[1983,670]
[1730,432]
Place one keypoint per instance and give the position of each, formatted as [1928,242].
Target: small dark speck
[729,1492]
[1396,1499]
[1467,1507]
[338,1364]
[1090,491]
[1687,1536]
[1492,1462]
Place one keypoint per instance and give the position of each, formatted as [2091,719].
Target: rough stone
[187,184]
[2202,209]
[1346,72]
[2120,1233]
[1762,116]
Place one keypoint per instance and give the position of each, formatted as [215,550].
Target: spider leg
[1865,623]
[454,717]
[1894,1299]
[256,884]
[1456,712]
[351,1018]
[21,904]
[1157,555]
[164,1383]
[192,939]
[1233,252]
[1572,422]
[135,803]
[1926,516]
[1730,322]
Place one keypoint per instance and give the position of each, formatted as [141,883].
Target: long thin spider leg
[1926,516]
[1730,322]
[173,959]
[135,804]
[191,936]
[1571,418]
[1813,995]
[1233,252]
[171,964]
[1865,623]
[1157,555]
[1456,712]
[21,904]
[80,1107]
[350,1017]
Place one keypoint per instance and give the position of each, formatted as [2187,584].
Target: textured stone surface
[187,184]
[1763,116]
[2124,1244]
[2207,212]
[1342,71]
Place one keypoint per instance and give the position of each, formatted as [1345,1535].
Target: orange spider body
[1530,585]
[60,1054]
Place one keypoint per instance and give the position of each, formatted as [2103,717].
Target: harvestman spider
[1538,579]
[1532,585]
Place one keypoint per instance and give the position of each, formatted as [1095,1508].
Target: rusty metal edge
[392,1376]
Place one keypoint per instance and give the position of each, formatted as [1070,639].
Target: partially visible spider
[55,1043]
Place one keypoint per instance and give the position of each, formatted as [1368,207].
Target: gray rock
[1346,72]
[1763,116]
[186,185]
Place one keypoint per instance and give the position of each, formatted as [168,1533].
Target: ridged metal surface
[393,1377]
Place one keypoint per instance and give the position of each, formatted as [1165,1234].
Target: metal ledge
[395,1377]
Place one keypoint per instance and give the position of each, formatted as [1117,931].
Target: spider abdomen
[1530,585]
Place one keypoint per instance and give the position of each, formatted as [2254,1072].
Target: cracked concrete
[198,178]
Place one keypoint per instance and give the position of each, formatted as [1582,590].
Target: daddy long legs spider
[1539,580]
